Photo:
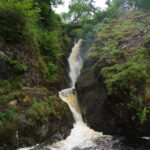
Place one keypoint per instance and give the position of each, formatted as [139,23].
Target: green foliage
[7,115]
[5,86]
[49,71]
[13,82]
[40,111]
[143,4]
[52,53]
[52,68]
[50,45]
[111,12]
[127,71]
[16,83]
[121,79]
[80,10]
[11,26]
[142,114]
[76,33]
[18,67]
[15,18]
[67,41]
[37,26]
[98,16]
[109,51]
[49,19]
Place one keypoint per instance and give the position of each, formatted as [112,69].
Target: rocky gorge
[113,87]
[119,111]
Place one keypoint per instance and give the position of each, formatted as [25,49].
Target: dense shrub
[16,17]
[12,26]
[50,45]
[125,78]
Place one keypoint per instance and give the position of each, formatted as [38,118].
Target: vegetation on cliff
[34,44]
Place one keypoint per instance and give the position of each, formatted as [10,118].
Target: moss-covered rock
[37,116]
[30,110]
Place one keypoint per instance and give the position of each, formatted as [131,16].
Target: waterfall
[81,135]
[75,63]
[69,95]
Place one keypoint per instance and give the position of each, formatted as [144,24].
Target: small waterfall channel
[81,135]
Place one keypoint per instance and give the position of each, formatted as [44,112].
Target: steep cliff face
[31,112]
[113,88]
[34,46]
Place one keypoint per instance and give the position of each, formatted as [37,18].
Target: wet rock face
[99,110]
[92,98]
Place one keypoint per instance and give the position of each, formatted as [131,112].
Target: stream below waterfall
[81,136]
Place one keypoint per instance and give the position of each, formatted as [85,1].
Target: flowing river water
[81,136]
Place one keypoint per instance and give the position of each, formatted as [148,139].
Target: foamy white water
[69,96]
[81,135]
[75,63]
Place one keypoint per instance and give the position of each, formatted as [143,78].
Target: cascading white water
[81,135]
[75,63]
